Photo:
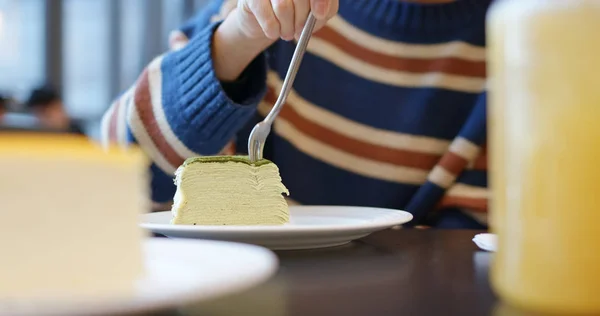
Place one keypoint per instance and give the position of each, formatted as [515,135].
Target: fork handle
[293,68]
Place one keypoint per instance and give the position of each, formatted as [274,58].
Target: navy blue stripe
[130,138]
[475,128]
[474,177]
[429,112]
[418,23]
[424,201]
[312,181]
[163,188]
[453,218]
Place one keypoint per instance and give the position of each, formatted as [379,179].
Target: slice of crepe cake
[229,190]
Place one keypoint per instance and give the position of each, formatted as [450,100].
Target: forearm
[178,107]
[232,50]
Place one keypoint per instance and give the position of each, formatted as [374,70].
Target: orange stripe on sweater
[481,162]
[453,163]
[143,104]
[454,66]
[478,205]
[356,147]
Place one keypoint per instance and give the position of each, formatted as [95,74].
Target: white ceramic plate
[178,272]
[309,227]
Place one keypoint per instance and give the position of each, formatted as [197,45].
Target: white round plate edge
[239,284]
[138,304]
[385,219]
[259,276]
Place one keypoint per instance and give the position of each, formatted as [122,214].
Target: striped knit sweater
[388,109]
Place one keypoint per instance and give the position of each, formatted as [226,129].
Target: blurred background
[83,52]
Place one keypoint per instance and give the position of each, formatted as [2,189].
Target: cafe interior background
[88,50]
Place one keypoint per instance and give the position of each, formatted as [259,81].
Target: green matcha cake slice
[229,190]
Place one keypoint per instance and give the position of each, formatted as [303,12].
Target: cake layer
[70,218]
[227,190]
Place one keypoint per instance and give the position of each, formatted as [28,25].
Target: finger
[301,10]
[320,8]
[284,11]
[333,8]
[265,17]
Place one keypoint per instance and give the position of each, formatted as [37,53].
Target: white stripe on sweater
[465,148]
[456,49]
[361,68]
[155,82]
[177,40]
[144,140]
[126,101]
[441,177]
[468,191]
[349,162]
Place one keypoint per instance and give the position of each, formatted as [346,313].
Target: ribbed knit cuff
[243,88]
[198,109]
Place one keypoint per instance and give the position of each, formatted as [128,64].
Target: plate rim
[400,217]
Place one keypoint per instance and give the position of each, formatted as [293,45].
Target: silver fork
[258,136]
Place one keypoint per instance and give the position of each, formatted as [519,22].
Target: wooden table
[395,272]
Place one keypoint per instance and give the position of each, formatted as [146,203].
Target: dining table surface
[392,272]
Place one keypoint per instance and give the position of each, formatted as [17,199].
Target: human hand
[285,19]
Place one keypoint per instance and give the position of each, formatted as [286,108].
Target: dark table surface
[394,272]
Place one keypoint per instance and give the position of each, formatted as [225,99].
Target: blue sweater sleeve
[200,112]
[179,109]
